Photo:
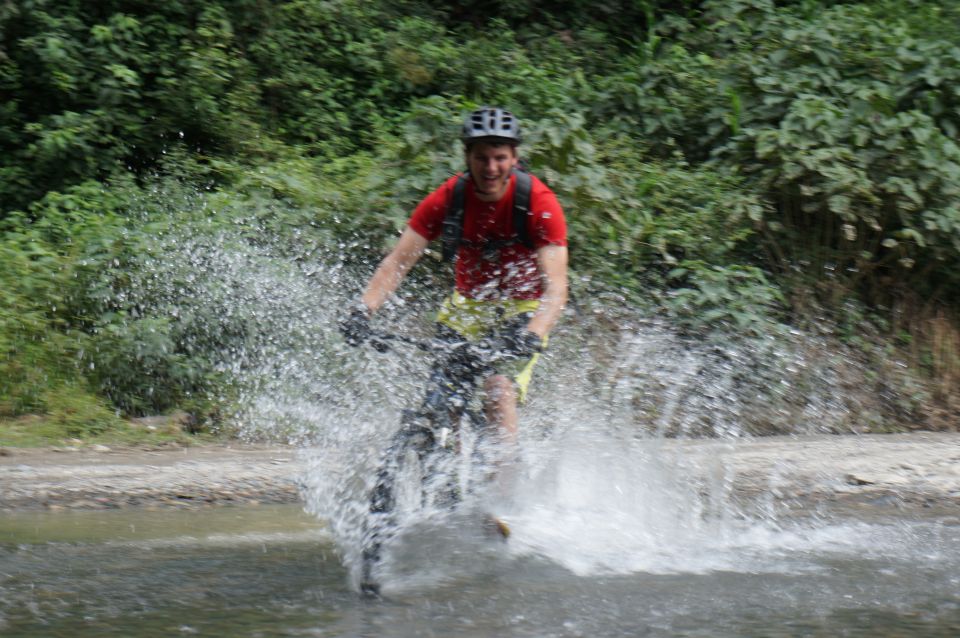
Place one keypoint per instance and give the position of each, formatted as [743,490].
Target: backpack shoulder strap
[453,220]
[521,207]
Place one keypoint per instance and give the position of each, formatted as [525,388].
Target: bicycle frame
[432,432]
[454,378]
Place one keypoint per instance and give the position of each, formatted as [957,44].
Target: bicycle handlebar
[488,350]
[381,337]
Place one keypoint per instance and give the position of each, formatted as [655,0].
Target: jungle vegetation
[740,166]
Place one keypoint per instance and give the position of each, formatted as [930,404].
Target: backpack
[453,220]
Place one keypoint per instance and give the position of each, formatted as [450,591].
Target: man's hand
[522,343]
[355,327]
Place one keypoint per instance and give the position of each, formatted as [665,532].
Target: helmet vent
[491,122]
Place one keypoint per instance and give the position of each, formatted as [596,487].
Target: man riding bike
[509,280]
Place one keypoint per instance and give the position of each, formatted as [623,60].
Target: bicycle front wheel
[400,493]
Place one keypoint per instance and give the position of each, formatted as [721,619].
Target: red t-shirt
[509,272]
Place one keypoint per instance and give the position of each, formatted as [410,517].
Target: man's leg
[472,319]
[500,406]
[503,392]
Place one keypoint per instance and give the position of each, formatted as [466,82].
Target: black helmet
[491,124]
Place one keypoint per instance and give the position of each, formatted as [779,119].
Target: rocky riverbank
[921,468]
[104,478]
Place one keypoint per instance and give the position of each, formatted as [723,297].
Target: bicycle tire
[401,490]
[423,465]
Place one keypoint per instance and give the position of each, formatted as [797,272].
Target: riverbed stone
[912,468]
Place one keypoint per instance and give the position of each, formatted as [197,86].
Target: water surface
[273,571]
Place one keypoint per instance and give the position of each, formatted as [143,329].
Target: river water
[610,537]
[273,571]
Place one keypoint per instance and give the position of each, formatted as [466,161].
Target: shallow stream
[273,571]
[611,537]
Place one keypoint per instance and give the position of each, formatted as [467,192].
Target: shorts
[475,319]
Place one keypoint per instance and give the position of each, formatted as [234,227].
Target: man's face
[490,166]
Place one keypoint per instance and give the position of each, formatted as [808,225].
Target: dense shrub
[733,164]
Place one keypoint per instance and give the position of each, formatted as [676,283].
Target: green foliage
[140,366]
[321,66]
[633,219]
[716,158]
[740,298]
[846,120]
[641,218]
[40,344]
[79,414]
[669,96]
[99,91]
[61,333]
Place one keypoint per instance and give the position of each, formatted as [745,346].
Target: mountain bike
[421,469]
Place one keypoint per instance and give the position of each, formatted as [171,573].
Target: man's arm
[552,261]
[393,269]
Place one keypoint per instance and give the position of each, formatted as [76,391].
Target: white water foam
[595,492]
[602,506]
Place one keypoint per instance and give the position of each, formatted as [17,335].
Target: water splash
[596,490]
[599,505]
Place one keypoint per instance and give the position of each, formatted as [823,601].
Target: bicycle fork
[382,525]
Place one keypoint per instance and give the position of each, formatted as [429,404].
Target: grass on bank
[66,428]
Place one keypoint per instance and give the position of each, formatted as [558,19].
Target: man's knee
[499,387]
